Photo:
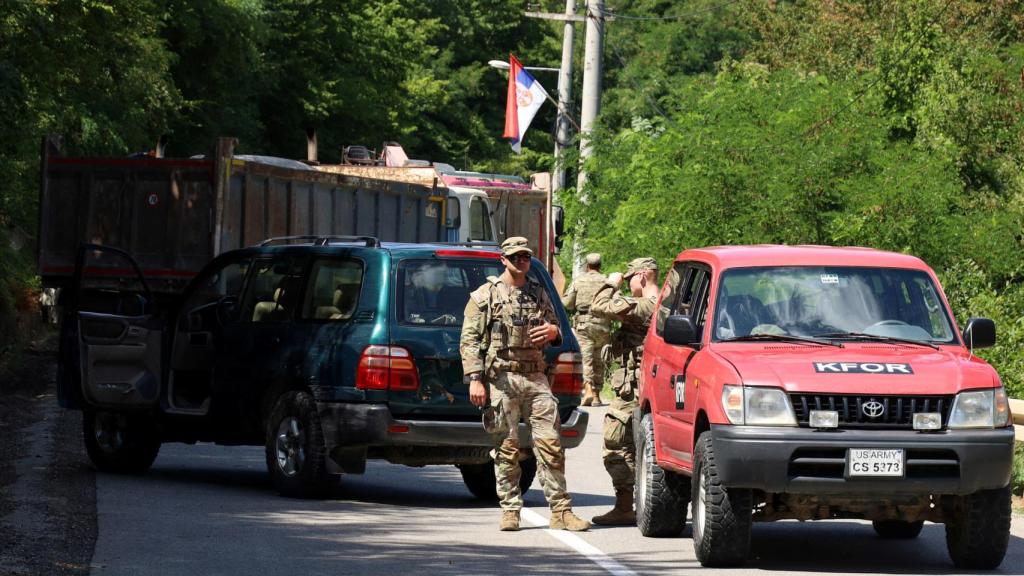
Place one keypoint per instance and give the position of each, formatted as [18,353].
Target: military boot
[596,393]
[622,514]
[509,521]
[588,395]
[566,520]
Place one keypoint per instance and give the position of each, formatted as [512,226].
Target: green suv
[328,351]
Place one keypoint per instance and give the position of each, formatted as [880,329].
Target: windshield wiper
[876,338]
[781,338]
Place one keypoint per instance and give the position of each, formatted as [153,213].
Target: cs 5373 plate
[868,462]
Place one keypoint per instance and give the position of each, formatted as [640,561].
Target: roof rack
[370,241]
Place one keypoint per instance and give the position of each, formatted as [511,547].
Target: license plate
[875,462]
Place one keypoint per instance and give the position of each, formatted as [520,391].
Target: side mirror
[452,213]
[680,331]
[980,333]
[558,214]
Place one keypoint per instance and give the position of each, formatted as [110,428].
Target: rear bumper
[802,461]
[346,424]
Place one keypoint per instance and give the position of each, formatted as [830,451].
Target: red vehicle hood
[859,367]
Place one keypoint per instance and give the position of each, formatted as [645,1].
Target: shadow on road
[432,486]
[838,546]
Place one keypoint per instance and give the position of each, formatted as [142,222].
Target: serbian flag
[525,96]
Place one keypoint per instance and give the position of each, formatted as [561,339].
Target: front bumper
[346,424]
[804,461]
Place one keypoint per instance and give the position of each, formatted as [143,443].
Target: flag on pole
[525,96]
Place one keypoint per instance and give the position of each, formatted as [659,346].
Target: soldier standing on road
[591,331]
[627,347]
[508,322]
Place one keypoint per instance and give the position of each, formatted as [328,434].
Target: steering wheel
[886,323]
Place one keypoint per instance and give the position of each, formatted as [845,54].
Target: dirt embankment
[47,486]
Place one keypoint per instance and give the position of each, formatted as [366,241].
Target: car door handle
[654,370]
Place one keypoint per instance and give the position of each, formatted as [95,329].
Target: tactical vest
[511,314]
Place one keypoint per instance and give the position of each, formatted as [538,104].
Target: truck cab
[811,383]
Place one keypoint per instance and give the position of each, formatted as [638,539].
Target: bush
[971,293]
[1017,474]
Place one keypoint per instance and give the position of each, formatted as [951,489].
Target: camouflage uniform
[592,331]
[495,340]
[627,349]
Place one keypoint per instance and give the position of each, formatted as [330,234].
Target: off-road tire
[308,477]
[723,538]
[978,529]
[897,529]
[120,443]
[662,497]
[480,479]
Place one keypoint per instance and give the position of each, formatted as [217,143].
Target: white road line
[578,544]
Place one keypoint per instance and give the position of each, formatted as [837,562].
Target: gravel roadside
[47,486]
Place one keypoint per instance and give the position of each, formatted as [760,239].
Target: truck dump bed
[175,215]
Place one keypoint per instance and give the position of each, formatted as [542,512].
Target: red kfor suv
[812,382]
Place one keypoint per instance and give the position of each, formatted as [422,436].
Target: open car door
[111,334]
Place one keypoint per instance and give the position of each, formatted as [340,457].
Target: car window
[222,282]
[670,293]
[333,289]
[434,292]
[479,223]
[814,300]
[272,291]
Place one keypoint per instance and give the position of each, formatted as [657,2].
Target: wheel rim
[291,452]
[702,488]
[108,429]
[641,486]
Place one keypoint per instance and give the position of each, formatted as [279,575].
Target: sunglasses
[518,257]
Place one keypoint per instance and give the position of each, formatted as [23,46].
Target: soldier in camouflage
[627,346]
[591,331]
[508,321]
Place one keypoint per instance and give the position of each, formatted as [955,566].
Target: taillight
[568,374]
[449,253]
[387,368]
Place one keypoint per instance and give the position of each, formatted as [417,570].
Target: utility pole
[591,104]
[591,99]
[562,134]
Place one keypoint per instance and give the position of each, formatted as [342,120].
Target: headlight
[980,409]
[757,406]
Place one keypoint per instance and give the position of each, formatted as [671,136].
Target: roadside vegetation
[894,125]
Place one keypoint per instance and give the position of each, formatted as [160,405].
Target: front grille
[898,411]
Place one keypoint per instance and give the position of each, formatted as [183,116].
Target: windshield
[830,300]
[435,292]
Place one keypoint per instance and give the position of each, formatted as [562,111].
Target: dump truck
[173,215]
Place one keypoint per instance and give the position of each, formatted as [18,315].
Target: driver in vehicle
[426,298]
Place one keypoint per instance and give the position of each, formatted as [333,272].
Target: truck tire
[978,529]
[295,450]
[480,479]
[120,443]
[662,497]
[722,517]
[897,529]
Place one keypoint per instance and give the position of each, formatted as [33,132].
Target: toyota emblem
[873,409]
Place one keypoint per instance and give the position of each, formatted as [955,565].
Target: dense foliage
[895,125]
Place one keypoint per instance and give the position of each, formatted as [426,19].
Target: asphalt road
[211,510]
